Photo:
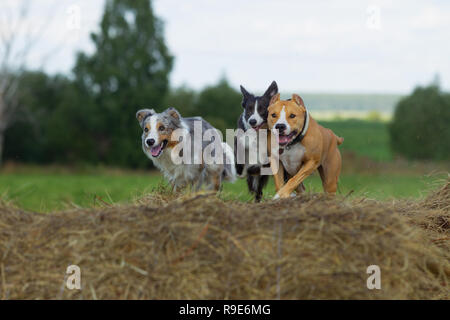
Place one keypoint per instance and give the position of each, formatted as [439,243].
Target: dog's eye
[146,129]
[274,115]
[161,128]
[292,116]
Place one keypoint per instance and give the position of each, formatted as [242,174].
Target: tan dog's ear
[298,100]
[275,98]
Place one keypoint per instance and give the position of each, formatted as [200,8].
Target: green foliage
[36,134]
[219,104]
[420,128]
[184,100]
[128,70]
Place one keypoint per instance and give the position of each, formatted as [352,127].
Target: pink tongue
[155,150]
[283,139]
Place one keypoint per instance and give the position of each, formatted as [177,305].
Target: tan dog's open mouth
[285,139]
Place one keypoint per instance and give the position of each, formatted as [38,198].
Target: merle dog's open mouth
[157,150]
[285,139]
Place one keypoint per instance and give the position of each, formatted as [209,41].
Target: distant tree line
[63,123]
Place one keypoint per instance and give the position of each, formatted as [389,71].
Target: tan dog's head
[287,117]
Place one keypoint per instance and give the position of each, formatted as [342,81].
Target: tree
[129,70]
[184,100]
[420,127]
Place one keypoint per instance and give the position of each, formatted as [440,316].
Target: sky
[349,46]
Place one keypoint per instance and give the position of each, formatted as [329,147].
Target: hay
[200,247]
[432,214]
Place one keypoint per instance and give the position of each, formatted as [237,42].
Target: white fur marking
[282,120]
[153,134]
[306,125]
[256,115]
[292,158]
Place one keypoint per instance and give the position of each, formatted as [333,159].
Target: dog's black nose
[150,142]
[280,127]
[252,122]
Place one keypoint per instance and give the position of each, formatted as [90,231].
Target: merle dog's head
[157,129]
[255,108]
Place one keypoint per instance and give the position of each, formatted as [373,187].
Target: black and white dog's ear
[272,90]
[173,114]
[245,93]
[245,96]
[142,114]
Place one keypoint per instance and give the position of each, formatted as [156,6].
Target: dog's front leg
[295,181]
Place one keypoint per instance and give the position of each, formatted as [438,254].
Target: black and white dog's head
[255,108]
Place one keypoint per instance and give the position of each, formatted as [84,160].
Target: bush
[219,104]
[421,125]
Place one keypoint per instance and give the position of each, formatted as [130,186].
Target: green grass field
[364,138]
[44,190]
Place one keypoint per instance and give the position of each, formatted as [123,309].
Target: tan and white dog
[304,146]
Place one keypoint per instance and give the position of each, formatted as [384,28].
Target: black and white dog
[253,117]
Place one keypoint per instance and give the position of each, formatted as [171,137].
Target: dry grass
[200,247]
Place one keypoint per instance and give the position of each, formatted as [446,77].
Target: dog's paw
[293,194]
[284,195]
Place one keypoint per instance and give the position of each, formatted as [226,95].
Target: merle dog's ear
[275,98]
[298,100]
[271,90]
[173,114]
[142,114]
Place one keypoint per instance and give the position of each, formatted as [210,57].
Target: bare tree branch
[18,37]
